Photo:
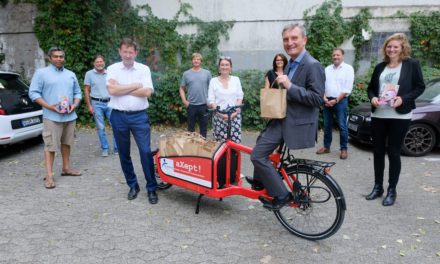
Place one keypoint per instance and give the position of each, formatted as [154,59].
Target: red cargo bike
[316,212]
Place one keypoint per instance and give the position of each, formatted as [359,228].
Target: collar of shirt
[94,70]
[298,59]
[134,67]
[55,68]
[293,64]
[339,67]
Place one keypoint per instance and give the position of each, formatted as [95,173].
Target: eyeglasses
[225,58]
[280,60]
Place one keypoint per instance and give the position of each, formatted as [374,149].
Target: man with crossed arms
[129,84]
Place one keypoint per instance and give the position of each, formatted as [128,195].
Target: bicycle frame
[230,188]
[201,175]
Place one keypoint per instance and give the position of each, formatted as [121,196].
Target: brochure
[388,94]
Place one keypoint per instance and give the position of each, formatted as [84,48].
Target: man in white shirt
[129,85]
[338,85]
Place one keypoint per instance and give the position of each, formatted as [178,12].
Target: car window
[432,92]
[12,82]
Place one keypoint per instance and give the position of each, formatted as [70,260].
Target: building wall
[18,42]
[254,39]
[256,35]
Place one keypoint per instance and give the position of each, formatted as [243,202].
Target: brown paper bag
[273,103]
[208,149]
[187,144]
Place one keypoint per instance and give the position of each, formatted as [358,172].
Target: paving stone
[88,219]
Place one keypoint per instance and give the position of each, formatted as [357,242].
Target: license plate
[30,121]
[353,127]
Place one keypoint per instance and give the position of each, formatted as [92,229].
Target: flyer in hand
[64,104]
[388,94]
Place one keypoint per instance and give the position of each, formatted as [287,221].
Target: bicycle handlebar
[227,110]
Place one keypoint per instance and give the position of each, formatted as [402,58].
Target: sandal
[50,183]
[70,173]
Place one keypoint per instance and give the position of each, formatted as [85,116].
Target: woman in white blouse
[225,90]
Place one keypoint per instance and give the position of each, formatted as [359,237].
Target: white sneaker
[104,153]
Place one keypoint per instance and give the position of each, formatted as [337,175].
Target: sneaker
[115,151]
[104,153]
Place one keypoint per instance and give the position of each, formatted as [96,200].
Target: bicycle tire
[161,185]
[316,219]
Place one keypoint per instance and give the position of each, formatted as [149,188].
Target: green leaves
[425,39]
[327,29]
[97,26]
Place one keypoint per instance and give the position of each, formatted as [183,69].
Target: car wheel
[419,140]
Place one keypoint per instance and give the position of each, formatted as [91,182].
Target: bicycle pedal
[264,200]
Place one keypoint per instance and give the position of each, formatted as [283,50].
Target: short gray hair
[49,53]
[295,25]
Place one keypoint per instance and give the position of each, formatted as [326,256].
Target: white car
[20,118]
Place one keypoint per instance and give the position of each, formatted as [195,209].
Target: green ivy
[425,41]
[97,26]
[327,29]
[251,82]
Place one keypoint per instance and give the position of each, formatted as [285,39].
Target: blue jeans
[102,111]
[340,109]
[137,124]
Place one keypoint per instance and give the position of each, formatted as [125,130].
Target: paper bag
[208,149]
[273,103]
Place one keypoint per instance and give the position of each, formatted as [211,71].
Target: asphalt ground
[88,219]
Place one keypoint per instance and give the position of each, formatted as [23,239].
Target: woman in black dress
[279,62]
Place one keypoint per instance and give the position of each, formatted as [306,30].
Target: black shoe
[132,194]
[390,198]
[255,185]
[376,192]
[277,204]
[152,197]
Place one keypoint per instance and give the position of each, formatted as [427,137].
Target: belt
[129,112]
[100,100]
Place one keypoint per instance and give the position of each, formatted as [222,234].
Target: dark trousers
[200,112]
[264,171]
[137,124]
[392,131]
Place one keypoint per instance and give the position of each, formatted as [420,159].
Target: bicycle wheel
[318,209]
[161,185]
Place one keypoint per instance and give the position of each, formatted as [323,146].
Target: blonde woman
[389,123]
[225,90]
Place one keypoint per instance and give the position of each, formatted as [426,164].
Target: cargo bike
[316,212]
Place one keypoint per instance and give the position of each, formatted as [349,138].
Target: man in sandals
[49,86]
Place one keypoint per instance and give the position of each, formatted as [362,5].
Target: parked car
[424,132]
[20,118]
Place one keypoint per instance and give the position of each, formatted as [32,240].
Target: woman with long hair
[390,122]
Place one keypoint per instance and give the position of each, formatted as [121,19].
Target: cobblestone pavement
[88,219]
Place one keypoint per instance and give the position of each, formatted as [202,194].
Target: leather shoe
[132,194]
[390,198]
[255,185]
[323,150]
[344,154]
[152,197]
[376,192]
[277,203]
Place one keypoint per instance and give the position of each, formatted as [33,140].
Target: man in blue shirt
[97,98]
[49,86]
[304,80]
